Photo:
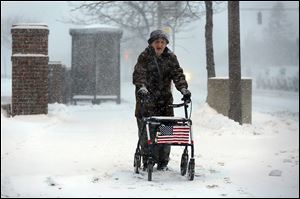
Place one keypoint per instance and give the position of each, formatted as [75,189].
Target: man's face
[159,46]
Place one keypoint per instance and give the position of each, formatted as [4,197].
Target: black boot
[162,166]
[145,163]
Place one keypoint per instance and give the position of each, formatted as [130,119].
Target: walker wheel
[191,169]
[150,170]
[184,163]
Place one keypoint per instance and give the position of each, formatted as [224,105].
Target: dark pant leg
[164,150]
[164,153]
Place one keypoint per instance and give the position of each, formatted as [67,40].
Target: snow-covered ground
[87,151]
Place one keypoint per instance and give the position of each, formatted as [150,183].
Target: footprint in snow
[213,186]
[275,173]
[51,182]
[95,180]
[212,171]
[287,161]
[227,180]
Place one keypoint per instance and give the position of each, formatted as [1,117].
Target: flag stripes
[173,135]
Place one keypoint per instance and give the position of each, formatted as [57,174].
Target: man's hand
[186,94]
[143,92]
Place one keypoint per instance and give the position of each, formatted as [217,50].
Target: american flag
[173,135]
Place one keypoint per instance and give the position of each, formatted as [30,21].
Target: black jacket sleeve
[139,73]
[177,74]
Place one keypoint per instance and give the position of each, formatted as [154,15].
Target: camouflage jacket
[156,74]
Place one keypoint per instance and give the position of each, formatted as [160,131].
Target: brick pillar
[56,82]
[29,69]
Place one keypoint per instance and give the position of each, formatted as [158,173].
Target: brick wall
[29,69]
[67,85]
[56,82]
[59,83]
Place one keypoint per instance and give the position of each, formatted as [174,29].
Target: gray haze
[190,45]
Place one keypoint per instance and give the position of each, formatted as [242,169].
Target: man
[154,71]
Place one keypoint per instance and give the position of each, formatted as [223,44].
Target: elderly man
[154,71]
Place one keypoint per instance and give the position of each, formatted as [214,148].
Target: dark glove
[186,94]
[143,92]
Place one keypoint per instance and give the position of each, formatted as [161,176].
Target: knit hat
[156,34]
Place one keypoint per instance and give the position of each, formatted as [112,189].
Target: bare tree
[210,63]
[140,17]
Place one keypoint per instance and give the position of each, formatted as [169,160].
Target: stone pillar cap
[54,62]
[95,29]
[30,26]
